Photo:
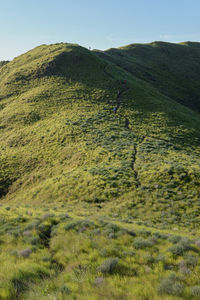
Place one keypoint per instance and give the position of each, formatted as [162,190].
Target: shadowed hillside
[173,69]
[99,170]
[3,62]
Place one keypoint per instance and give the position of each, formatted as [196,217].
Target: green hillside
[100,194]
[173,69]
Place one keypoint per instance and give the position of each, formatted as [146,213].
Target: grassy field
[97,204]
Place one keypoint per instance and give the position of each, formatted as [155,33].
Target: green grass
[92,209]
[173,69]
[92,257]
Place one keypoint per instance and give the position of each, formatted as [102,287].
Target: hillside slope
[61,140]
[75,138]
[173,69]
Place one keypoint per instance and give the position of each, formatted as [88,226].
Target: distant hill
[173,69]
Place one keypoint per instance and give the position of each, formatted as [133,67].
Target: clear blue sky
[100,24]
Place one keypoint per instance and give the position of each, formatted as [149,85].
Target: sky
[99,24]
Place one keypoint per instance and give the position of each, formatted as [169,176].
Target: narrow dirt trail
[135,150]
[127,123]
[134,159]
[119,94]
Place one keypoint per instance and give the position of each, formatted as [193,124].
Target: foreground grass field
[51,253]
[97,204]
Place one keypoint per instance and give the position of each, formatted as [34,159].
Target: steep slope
[61,140]
[173,69]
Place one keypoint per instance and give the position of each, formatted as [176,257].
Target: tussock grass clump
[141,243]
[195,291]
[32,225]
[65,290]
[24,253]
[160,235]
[64,217]
[80,225]
[108,266]
[72,225]
[25,275]
[96,231]
[98,281]
[35,241]
[27,233]
[47,216]
[180,248]
[149,259]
[191,260]
[171,285]
[128,253]
[174,239]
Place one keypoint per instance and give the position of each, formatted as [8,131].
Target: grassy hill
[173,69]
[96,204]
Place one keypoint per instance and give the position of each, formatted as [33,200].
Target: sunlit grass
[88,205]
